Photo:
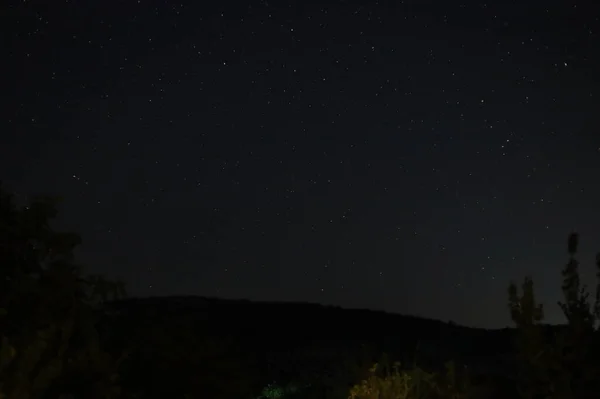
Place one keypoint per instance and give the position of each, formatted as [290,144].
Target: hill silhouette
[273,326]
[298,341]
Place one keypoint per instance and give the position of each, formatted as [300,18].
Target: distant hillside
[185,337]
[292,324]
[293,318]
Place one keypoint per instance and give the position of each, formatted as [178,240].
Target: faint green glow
[276,391]
[272,391]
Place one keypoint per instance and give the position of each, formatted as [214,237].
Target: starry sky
[407,156]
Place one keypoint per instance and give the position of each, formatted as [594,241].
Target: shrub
[395,383]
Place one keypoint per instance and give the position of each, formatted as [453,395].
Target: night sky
[408,156]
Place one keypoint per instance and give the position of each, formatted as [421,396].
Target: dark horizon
[413,157]
[166,299]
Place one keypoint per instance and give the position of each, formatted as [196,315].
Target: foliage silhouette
[393,382]
[562,363]
[50,347]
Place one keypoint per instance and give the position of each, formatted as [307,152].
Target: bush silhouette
[385,382]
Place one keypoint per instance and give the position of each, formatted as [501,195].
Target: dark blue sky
[407,156]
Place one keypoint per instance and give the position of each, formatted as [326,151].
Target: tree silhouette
[49,343]
[563,364]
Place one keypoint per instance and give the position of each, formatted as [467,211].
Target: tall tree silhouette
[563,364]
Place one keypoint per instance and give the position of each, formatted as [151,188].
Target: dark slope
[180,341]
[287,325]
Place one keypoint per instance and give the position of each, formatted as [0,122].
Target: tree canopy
[48,309]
